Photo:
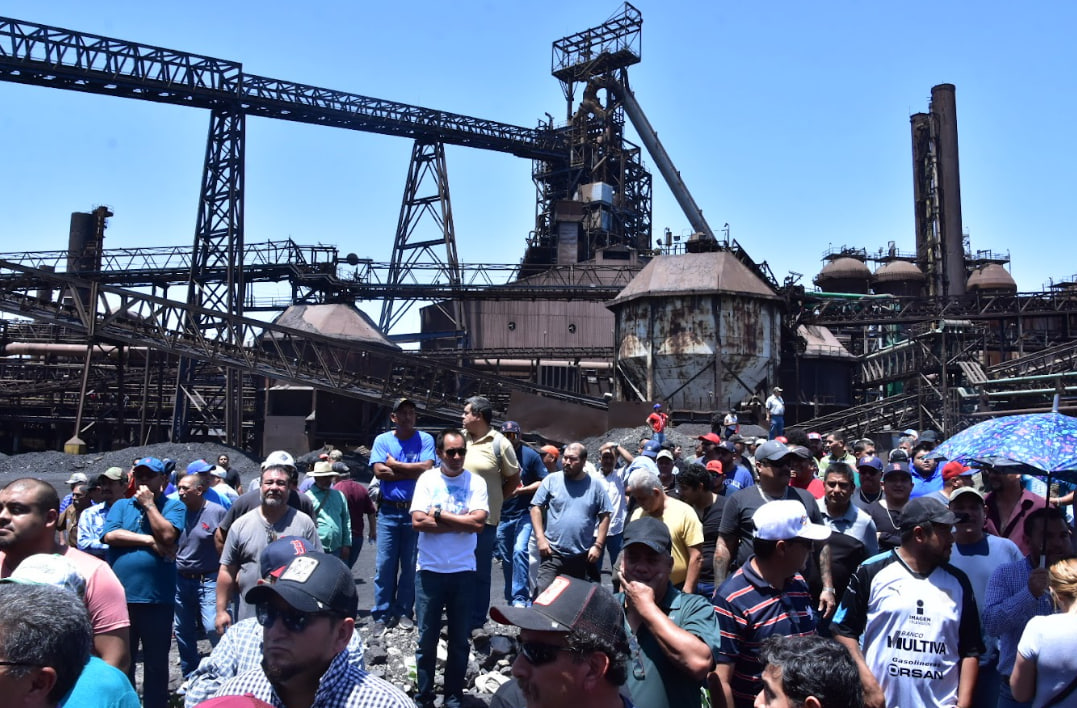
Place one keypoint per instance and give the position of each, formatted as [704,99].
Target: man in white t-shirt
[775,406]
[449,510]
[916,616]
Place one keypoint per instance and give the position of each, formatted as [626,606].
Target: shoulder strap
[497,449]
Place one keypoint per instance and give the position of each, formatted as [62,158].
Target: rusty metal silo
[699,331]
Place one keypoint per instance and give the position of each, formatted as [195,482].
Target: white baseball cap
[48,569]
[786,519]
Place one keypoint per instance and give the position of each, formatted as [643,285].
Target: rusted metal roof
[693,273]
[821,342]
[336,320]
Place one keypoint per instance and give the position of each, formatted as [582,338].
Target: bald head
[37,492]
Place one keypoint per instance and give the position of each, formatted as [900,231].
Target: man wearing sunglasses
[737,530]
[573,646]
[141,533]
[308,618]
[240,649]
[449,510]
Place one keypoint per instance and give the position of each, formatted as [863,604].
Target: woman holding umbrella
[1045,671]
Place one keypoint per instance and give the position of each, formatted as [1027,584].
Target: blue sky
[788,120]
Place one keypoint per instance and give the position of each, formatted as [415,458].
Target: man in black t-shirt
[886,513]
[695,490]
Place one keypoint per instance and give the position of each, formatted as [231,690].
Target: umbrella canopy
[1046,442]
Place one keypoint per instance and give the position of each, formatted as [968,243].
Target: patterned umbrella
[1045,442]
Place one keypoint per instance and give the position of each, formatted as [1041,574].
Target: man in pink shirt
[29,509]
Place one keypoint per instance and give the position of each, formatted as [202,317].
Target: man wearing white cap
[775,406]
[766,596]
[73,481]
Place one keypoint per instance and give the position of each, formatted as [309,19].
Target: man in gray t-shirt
[567,540]
[249,536]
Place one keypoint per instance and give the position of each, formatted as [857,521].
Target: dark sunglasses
[294,620]
[454,452]
[540,653]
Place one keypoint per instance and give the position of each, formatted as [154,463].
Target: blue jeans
[196,602]
[777,426]
[484,560]
[394,595]
[659,437]
[513,536]
[357,545]
[151,624]
[449,593]
[613,549]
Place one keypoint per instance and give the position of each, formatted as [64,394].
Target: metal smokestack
[944,114]
[925,201]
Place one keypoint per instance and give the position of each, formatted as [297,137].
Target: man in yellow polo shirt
[685,528]
[491,456]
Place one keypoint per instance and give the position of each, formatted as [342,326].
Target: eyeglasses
[454,452]
[539,653]
[294,620]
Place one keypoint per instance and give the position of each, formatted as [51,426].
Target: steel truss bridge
[219,269]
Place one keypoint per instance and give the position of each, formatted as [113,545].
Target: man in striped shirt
[765,597]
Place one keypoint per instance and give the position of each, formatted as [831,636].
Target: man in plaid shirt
[308,618]
[240,649]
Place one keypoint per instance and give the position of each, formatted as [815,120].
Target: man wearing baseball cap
[141,533]
[737,528]
[915,615]
[676,632]
[73,481]
[886,512]
[766,596]
[978,554]
[398,457]
[240,649]
[658,420]
[869,481]
[775,406]
[308,618]
[573,646]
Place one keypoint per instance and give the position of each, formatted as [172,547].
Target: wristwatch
[437,513]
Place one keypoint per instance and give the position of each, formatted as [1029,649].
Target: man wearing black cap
[737,529]
[573,646]
[240,649]
[916,617]
[869,481]
[398,458]
[308,618]
[886,512]
[673,635]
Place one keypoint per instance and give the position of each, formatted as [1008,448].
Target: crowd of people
[800,569]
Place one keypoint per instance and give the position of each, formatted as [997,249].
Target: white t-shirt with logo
[451,552]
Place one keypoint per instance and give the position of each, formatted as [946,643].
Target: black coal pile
[391,655]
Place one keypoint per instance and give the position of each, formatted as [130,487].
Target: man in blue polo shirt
[766,596]
[399,457]
[141,533]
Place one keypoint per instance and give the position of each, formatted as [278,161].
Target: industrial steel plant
[600,318]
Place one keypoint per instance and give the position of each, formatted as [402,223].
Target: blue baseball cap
[511,426]
[199,467]
[870,461]
[281,552]
[651,449]
[152,464]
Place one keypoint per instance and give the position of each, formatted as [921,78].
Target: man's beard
[280,673]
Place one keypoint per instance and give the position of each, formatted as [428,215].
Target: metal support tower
[426,200]
[204,392]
